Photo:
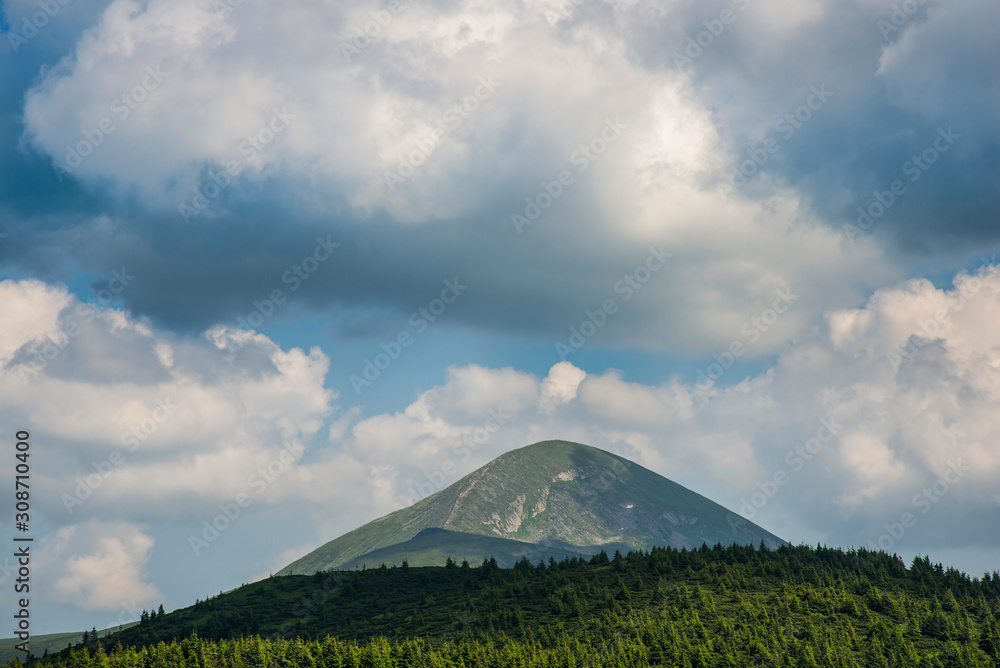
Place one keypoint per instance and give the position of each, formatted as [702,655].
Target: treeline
[721,606]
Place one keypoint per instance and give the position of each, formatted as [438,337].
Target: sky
[269,271]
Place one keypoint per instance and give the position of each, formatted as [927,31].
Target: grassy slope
[53,642]
[433,547]
[518,496]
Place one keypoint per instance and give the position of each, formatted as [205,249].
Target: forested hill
[735,606]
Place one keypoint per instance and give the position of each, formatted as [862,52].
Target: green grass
[433,547]
[53,642]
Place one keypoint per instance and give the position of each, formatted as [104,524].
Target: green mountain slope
[432,547]
[553,493]
[51,642]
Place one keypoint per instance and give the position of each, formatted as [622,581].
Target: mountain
[554,494]
[432,547]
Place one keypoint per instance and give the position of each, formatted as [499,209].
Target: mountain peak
[555,493]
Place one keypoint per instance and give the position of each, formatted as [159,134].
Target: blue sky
[694,234]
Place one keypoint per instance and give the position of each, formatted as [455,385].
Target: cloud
[613,400]
[98,565]
[143,423]
[646,148]
[561,385]
[37,307]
